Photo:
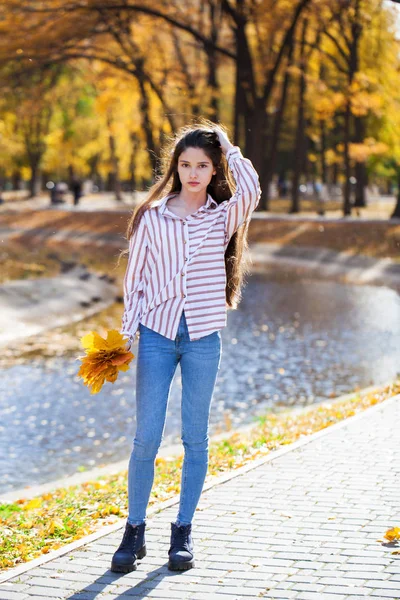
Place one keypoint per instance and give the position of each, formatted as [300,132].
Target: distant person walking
[76,188]
[185,268]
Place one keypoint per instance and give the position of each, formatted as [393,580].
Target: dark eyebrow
[201,162]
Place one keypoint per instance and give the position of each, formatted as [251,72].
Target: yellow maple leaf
[34,503]
[93,342]
[115,510]
[120,359]
[53,525]
[114,339]
[105,357]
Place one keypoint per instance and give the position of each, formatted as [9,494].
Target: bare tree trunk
[271,161]
[353,47]
[147,128]
[347,165]
[245,94]
[240,110]
[396,212]
[360,168]
[16,179]
[359,122]
[93,162]
[114,175]
[132,163]
[215,13]
[323,152]
[34,182]
[300,137]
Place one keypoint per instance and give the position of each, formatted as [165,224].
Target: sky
[397,9]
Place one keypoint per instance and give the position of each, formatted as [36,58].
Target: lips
[194,182]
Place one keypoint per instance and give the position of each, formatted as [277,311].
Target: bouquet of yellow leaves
[105,357]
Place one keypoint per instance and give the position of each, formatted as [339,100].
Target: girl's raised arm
[248,191]
[133,280]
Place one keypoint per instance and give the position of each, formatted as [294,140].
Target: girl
[185,268]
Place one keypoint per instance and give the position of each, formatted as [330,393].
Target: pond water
[292,342]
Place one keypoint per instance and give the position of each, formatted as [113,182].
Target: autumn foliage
[105,357]
[310,89]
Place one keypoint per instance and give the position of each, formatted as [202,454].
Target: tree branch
[207,43]
[338,46]
[331,57]
[285,43]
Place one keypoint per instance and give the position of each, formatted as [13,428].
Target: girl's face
[195,170]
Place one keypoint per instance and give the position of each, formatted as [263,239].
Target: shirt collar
[162,204]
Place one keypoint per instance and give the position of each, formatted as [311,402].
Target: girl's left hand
[223,139]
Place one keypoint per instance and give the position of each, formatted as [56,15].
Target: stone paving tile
[12,595]
[319,596]
[305,526]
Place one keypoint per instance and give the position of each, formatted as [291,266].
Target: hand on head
[223,138]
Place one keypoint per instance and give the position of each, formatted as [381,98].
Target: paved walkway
[379,208]
[306,524]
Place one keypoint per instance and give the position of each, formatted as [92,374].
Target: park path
[307,523]
[378,207]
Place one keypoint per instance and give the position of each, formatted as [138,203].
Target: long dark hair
[201,134]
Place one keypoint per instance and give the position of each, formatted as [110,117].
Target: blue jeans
[157,360]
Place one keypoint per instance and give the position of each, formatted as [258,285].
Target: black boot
[181,555]
[131,548]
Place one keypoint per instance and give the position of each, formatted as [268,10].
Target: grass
[31,527]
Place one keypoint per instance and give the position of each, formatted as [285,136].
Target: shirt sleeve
[247,196]
[133,281]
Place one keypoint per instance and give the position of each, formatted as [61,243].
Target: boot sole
[128,568]
[181,566]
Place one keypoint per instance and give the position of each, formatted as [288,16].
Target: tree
[285,88]
[32,105]
[120,34]
[352,63]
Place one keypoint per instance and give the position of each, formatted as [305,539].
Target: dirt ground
[378,238]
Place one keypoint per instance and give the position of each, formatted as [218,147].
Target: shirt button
[183,295]
[183,272]
[185,258]
[184,241]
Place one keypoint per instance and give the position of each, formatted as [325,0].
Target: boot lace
[129,537]
[181,538]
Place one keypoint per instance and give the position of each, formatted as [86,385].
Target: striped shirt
[178,264]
